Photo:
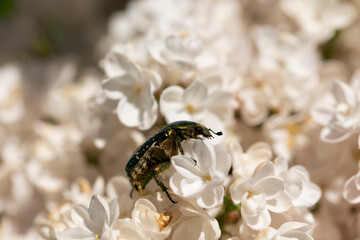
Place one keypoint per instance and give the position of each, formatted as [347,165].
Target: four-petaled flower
[200,174]
[339,112]
[134,88]
[258,195]
[93,223]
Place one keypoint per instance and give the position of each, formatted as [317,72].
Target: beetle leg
[159,156]
[162,186]
[178,142]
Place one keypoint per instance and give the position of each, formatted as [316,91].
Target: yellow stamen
[164,220]
[97,236]
[138,89]
[293,129]
[250,195]
[184,33]
[190,108]
[207,178]
[84,185]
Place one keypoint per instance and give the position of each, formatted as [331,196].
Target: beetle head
[204,131]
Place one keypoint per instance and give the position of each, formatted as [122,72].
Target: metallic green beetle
[153,157]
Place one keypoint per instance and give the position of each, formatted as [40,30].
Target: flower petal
[77,233]
[195,94]
[223,160]
[211,197]
[351,193]
[257,222]
[80,216]
[343,93]
[204,155]
[271,186]
[185,166]
[331,135]
[117,87]
[280,204]
[185,187]
[239,188]
[138,114]
[263,170]
[99,212]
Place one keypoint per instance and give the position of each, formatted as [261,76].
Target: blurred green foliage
[329,48]
[7,7]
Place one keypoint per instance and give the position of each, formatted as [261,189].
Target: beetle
[153,157]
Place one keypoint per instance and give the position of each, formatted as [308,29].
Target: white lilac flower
[195,104]
[195,224]
[244,163]
[288,134]
[16,191]
[11,94]
[81,191]
[256,97]
[302,192]
[287,231]
[351,191]
[182,50]
[55,157]
[128,229]
[57,221]
[133,87]
[96,222]
[282,51]
[258,195]
[141,17]
[338,112]
[200,174]
[64,97]
[152,224]
[320,19]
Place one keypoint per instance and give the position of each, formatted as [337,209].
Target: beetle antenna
[217,133]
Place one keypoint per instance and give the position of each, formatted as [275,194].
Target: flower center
[207,178]
[138,89]
[250,194]
[343,109]
[164,220]
[190,108]
[183,33]
[293,129]
[97,236]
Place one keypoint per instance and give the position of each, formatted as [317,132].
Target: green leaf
[228,207]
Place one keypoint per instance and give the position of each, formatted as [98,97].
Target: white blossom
[96,222]
[287,231]
[258,195]
[11,94]
[152,224]
[302,192]
[351,190]
[320,19]
[195,224]
[338,112]
[244,163]
[134,88]
[184,51]
[200,174]
[194,103]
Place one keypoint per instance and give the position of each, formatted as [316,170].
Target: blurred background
[41,30]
